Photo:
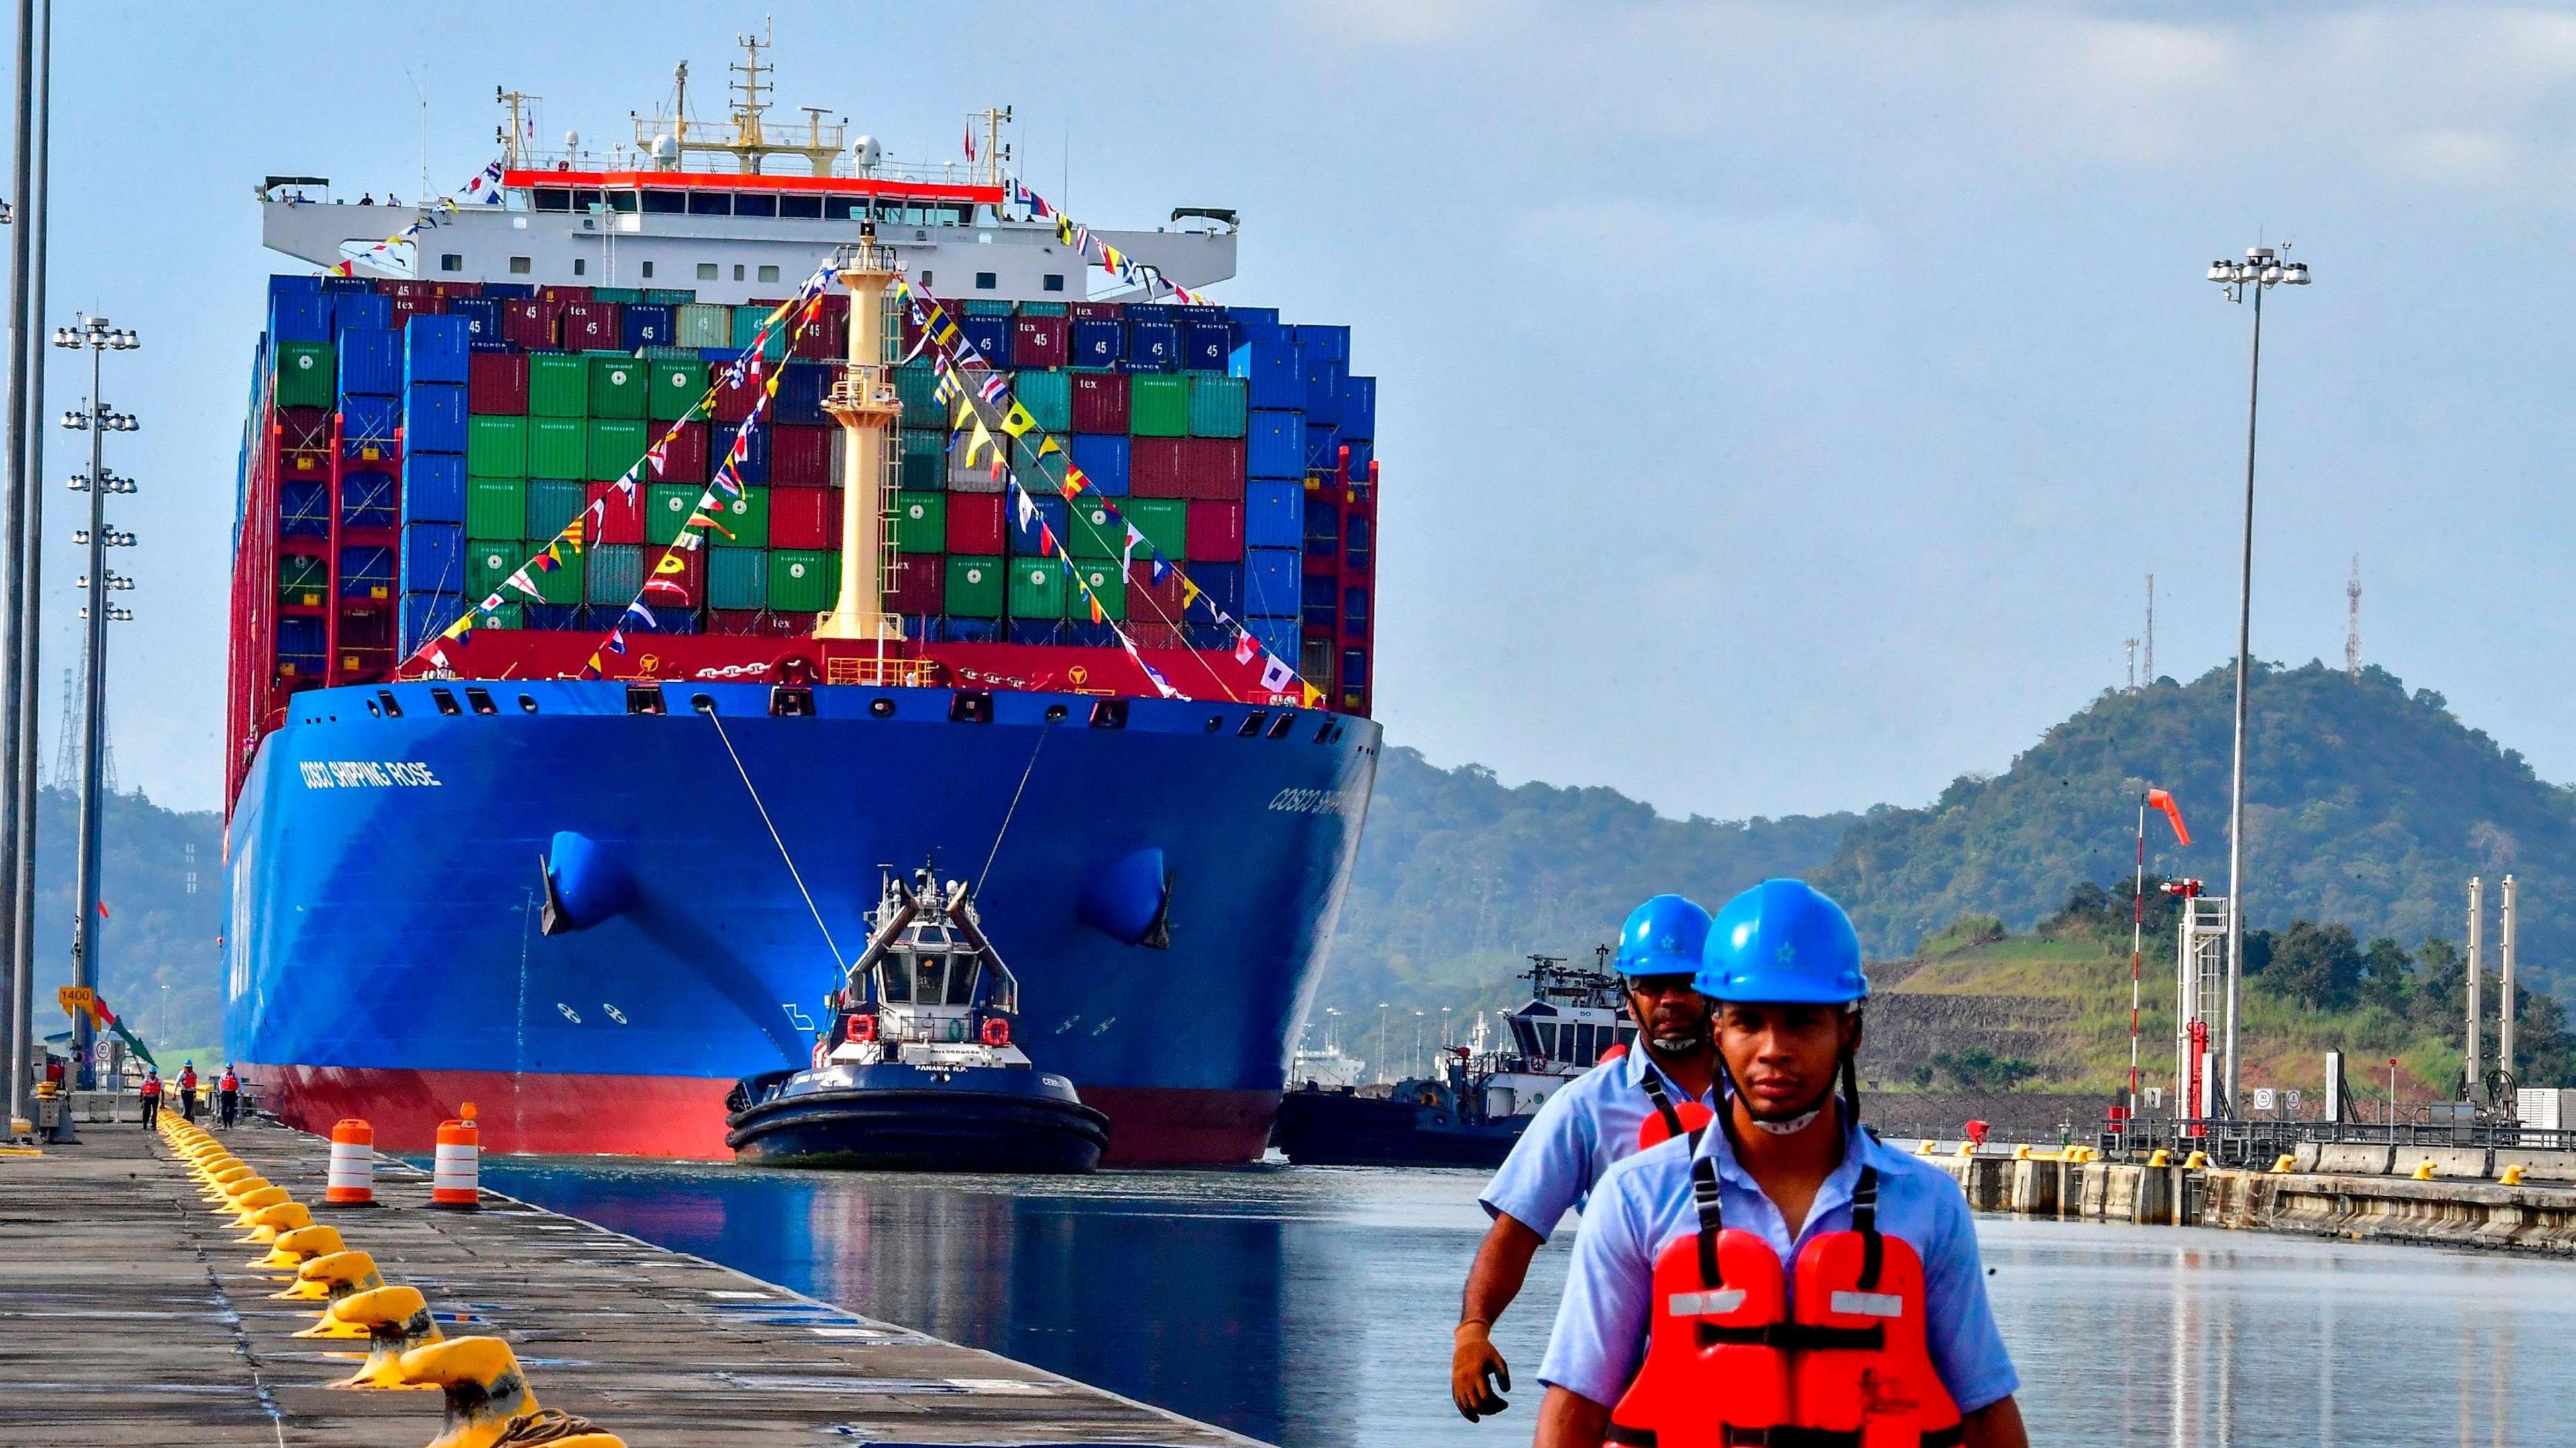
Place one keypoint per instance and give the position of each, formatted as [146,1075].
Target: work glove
[1475,1369]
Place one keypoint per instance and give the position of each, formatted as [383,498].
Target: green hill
[161,931]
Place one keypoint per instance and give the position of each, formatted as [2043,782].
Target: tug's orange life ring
[862,1028]
[997,1032]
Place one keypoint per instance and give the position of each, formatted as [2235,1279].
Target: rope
[1043,731]
[754,792]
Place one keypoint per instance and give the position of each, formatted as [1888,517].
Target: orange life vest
[1670,1118]
[231,1082]
[1737,1356]
[151,1085]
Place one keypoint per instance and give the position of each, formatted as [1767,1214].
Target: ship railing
[876,672]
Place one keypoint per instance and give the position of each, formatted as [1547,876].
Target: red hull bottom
[683,1117]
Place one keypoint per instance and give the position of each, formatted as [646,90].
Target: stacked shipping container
[426,438]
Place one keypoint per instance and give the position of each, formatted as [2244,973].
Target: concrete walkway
[128,1316]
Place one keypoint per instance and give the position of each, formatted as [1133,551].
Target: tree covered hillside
[2365,805]
[158,932]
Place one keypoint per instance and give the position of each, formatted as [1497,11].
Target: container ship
[616,600]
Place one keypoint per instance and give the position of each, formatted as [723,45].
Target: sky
[1782,406]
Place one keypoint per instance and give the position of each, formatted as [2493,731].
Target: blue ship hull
[386,956]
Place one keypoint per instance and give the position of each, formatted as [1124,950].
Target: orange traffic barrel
[352,1181]
[455,1171]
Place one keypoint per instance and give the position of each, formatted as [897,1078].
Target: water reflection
[1312,1308]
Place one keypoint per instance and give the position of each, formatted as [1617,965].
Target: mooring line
[792,872]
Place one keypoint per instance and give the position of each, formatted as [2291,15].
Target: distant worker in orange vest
[152,1098]
[188,1090]
[228,1094]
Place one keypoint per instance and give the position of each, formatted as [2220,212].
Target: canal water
[1311,1307]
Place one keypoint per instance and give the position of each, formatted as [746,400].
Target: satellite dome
[866,152]
[572,140]
[666,148]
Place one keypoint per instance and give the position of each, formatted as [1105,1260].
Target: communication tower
[2352,621]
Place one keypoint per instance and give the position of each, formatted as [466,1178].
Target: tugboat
[1482,1102]
[916,1068]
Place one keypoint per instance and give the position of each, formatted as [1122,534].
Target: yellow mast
[864,403]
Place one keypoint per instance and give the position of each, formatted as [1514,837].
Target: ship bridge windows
[1052,281]
[552,198]
[1525,1035]
[707,271]
[986,281]
[801,208]
[587,201]
[666,203]
[844,208]
[755,203]
[622,202]
[769,273]
[451,261]
[711,203]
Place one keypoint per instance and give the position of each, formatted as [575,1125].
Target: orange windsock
[2173,812]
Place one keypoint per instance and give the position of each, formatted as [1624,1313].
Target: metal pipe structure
[38,221]
[2470,1075]
[2505,1004]
[16,830]
[2262,269]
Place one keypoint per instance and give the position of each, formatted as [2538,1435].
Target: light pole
[1380,1062]
[98,420]
[2262,270]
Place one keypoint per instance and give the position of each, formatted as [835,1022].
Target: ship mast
[864,403]
[514,140]
[746,142]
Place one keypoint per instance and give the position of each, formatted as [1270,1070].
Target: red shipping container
[458,289]
[734,402]
[304,429]
[800,457]
[917,584]
[977,523]
[1037,342]
[400,287]
[590,326]
[1152,635]
[736,621]
[805,518]
[1214,533]
[1096,311]
[496,383]
[530,324]
[1100,402]
[1147,599]
[560,295]
[404,309]
[1211,467]
[621,517]
[826,336]
[1154,467]
[685,460]
[691,579]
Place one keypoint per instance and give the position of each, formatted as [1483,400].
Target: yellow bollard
[2284,1163]
[397,1320]
[2197,1161]
[484,1386]
[1967,1148]
[218,1178]
[292,1250]
[250,1204]
[342,1274]
[226,1187]
[2424,1170]
[269,1221]
[1928,1148]
[2160,1157]
[2022,1152]
[2511,1176]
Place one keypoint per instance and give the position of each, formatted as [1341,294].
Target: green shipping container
[558,447]
[1217,404]
[975,586]
[617,386]
[307,375]
[1165,522]
[488,561]
[553,502]
[1037,588]
[666,507]
[669,296]
[925,460]
[984,307]
[920,522]
[1049,398]
[1042,309]
[558,384]
[496,508]
[704,324]
[1098,530]
[622,296]
[803,580]
[916,386]
[508,615]
[496,447]
[738,578]
[679,389]
[747,519]
[746,325]
[1108,584]
[616,574]
[615,445]
[303,581]
[1158,405]
[563,585]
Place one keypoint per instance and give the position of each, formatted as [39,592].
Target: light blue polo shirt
[1645,1206]
[1589,1126]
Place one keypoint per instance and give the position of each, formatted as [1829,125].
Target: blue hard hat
[1783,940]
[1664,936]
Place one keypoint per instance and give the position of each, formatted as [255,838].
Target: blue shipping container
[481,316]
[361,309]
[510,291]
[1206,347]
[1359,407]
[433,488]
[1272,582]
[990,336]
[1333,344]
[800,394]
[433,560]
[1099,342]
[1322,609]
[424,616]
[367,572]
[1044,632]
[644,324]
[1275,446]
[1271,370]
[303,508]
[558,616]
[370,362]
[1323,388]
[339,285]
[303,639]
[1323,448]
[1274,514]
[367,500]
[369,422]
[293,286]
[972,630]
[1102,458]
[1053,512]
[1279,635]
[1223,584]
[434,349]
[1153,346]
[1362,450]
[434,416]
[298,317]
[754,467]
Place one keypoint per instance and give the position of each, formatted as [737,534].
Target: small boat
[1482,1102]
[917,1067]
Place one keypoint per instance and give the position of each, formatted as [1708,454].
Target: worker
[151,1093]
[1598,1120]
[227,1094]
[1785,1277]
[188,1090]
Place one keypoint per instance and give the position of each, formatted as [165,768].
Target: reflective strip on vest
[1710,1304]
[1869,1304]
